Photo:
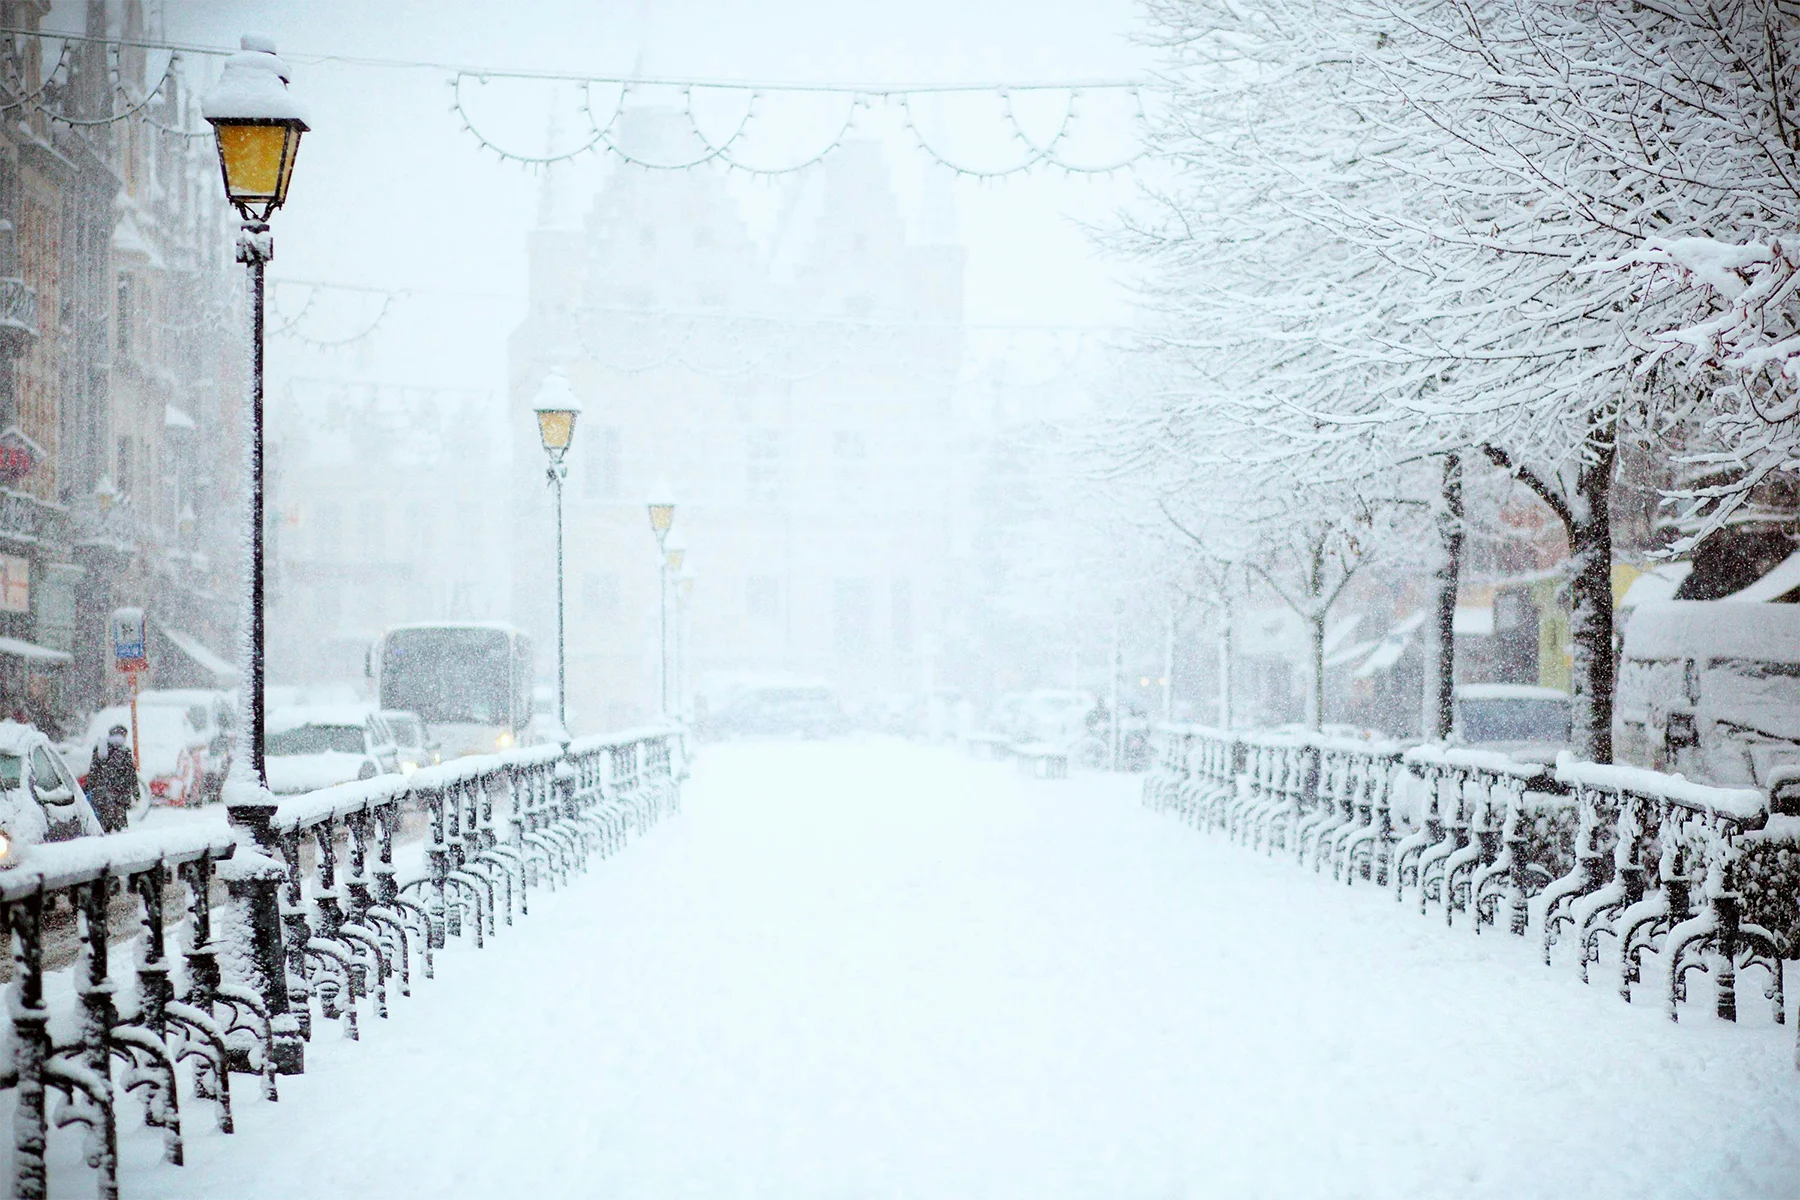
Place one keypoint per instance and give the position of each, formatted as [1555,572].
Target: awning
[41,656]
[1472,621]
[223,673]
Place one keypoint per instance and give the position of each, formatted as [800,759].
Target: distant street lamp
[684,598]
[674,554]
[661,506]
[557,407]
[258,124]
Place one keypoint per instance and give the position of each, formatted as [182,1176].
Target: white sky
[391,192]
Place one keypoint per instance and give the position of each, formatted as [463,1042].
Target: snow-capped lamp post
[684,616]
[258,124]
[557,408]
[674,556]
[662,515]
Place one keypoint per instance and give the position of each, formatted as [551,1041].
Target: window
[125,315]
[762,599]
[901,612]
[123,474]
[853,617]
[373,524]
[763,477]
[851,453]
[327,529]
[600,594]
[602,479]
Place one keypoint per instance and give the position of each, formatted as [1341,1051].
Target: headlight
[505,740]
[407,768]
[5,846]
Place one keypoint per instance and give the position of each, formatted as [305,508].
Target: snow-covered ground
[855,970]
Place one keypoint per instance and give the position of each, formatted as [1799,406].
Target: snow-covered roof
[18,648]
[1473,620]
[1710,629]
[1507,691]
[1784,578]
[189,645]
[1657,584]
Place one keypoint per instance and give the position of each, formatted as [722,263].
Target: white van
[1710,689]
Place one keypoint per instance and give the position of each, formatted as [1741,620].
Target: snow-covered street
[871,969]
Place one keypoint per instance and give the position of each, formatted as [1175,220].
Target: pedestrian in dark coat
[112,782]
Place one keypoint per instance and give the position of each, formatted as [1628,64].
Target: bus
[470,681]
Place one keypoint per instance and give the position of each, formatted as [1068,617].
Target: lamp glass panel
[661,517]
[556,428]
[256,160]
[675,559]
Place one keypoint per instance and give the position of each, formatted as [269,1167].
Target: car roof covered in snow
[18,739]
[1507,691]
[179,696]
[283,719]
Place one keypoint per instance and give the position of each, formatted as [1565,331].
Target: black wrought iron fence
[327,912]
[1627,868]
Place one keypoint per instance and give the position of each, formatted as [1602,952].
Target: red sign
[19,455]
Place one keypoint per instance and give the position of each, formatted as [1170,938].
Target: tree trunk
[1315,697]
[1591,600]
[1225,668]
[1440,681]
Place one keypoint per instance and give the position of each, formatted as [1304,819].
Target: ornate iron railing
[1658,869]
[330,926]
[18,311]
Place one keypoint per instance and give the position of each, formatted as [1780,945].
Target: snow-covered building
[794,391]
[387,507]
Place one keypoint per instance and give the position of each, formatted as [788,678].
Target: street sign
[19,455]
[129,652]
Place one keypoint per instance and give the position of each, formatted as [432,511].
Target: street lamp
[557,407]
[684,603]
[258,124]
[661,506]
[674,554]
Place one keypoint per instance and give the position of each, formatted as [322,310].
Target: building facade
[795,395]
[121,382]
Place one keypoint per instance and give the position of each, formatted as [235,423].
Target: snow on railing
[297,937]
[1665,870]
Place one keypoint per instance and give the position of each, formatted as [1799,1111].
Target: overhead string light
[727,152]
[133,107]
[1046,154]
[15,78]
[293,326]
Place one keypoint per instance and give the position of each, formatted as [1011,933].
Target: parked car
[803,709]
[414,747]
[313,747]
[214,714]
[1710,689]
[172,747]
[40,799]
[1527,722]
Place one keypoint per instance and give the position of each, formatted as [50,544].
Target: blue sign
[129,652]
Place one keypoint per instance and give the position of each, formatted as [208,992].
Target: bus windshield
[448,674]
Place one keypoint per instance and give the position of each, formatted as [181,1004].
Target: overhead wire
[860,97]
